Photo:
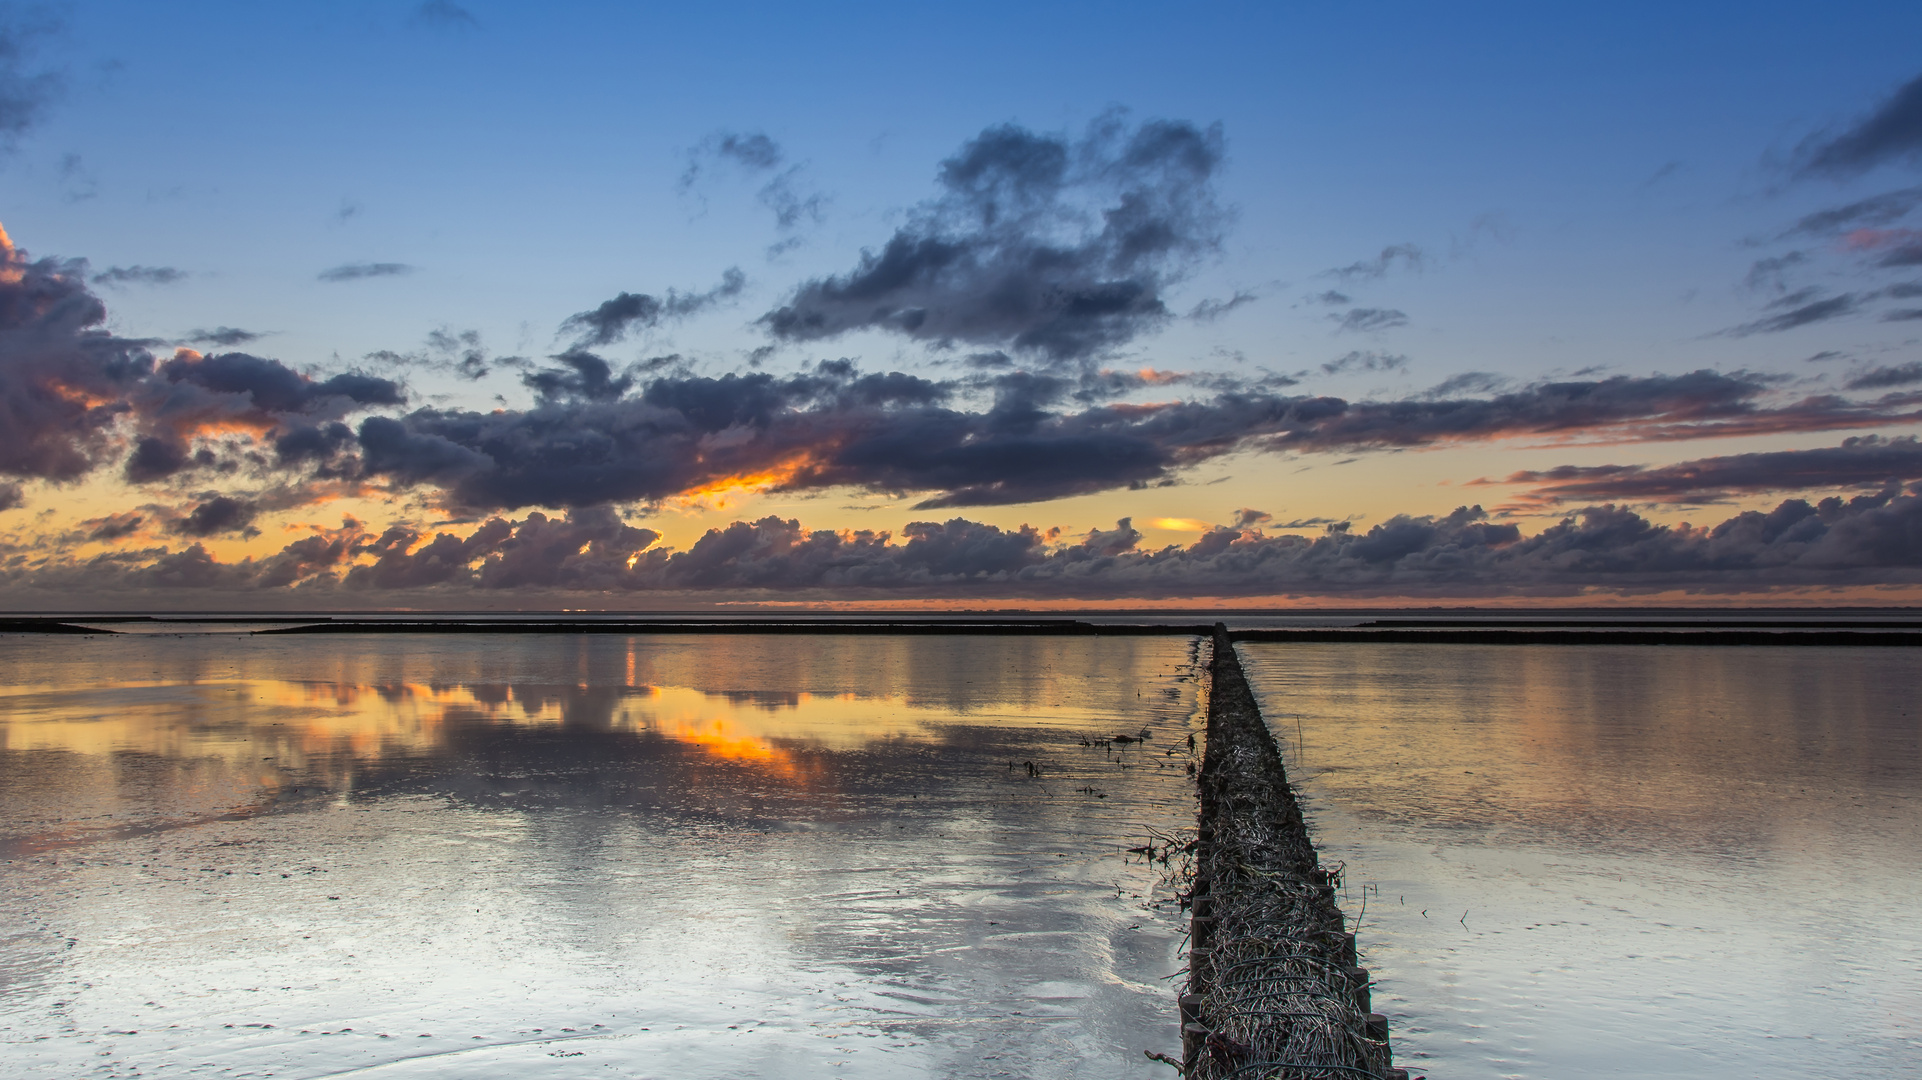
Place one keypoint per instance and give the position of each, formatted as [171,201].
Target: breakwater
[1274,989]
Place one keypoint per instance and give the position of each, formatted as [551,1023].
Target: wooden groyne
[1274,991]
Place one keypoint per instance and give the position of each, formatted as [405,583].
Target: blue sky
[1549,193]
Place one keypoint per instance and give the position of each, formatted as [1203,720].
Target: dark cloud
[1868,540]
[63,378]
[1883,378]
[190,397]
[157,457]
[139,275]
[225,337]
[1892,132]
[25,92]
[11,497]
[1408,256]
[1824,356]
[1246,518]
[1868,461]
[1902,315]
[616,318]
[1904,256]
[1368,320]
[1802,314]
[582,376]
[219,514]
[114,526]
[360,271]
[1370,360]
[1036,243]
[444,15]
[586,444]
[271,387]
[1331,298]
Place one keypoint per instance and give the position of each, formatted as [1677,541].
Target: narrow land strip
[1274,991]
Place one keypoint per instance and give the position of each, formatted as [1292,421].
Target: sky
[646,307]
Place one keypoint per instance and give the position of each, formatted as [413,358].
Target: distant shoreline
[1730,629]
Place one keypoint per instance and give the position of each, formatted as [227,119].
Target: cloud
[458,352]
[1369,320]
[1868,540]
[1799,315]
[1331,298]
[191,396]
[596,438]
[1892,132]
[139,275]
[1883,378]
[444,15]
[1867,461]
[77,397]
[114,526]
[582,376]
[1211,310]
[1038,244]
[63,378]
[1246,518]
[11,497]
[614,319]
[757,154]
[361,271]
[1408,256]
[1468,382]
[1876,210]
[1365,361]
[224,336]
[25,93]
[1770,273]
[219,514]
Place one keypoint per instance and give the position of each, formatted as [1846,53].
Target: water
[510,856]
[1621,861]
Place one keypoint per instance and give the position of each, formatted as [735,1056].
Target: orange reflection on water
[294,724]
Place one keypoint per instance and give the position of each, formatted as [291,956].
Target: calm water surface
[588,856]
[1618,861]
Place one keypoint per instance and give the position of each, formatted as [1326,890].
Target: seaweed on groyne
[1274,991]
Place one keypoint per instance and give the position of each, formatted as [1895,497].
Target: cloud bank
[1873,540]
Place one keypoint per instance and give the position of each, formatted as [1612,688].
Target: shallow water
[1621,861]
[557,856]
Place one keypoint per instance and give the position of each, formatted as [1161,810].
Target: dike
[1274,991]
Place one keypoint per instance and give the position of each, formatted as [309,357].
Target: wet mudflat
[1621,861]
[647,856]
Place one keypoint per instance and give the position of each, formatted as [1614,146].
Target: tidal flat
[1604,861]
[830,855]
[508,855]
